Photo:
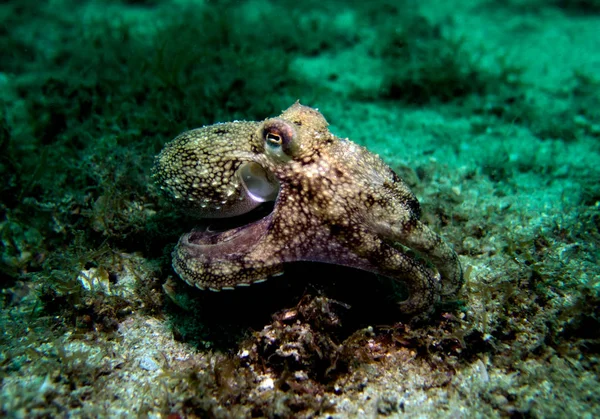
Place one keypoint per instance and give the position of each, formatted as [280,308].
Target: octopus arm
[412,233]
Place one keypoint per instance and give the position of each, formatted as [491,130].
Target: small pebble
[148,364]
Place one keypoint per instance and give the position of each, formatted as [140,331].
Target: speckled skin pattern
[335,202]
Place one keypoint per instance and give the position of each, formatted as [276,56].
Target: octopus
[328,200]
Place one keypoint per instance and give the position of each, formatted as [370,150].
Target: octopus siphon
[330,200]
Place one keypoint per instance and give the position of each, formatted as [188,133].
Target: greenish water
[488,110]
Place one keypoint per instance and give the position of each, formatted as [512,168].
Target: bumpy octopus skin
[334,202]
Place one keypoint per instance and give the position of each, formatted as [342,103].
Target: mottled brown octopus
[334,202]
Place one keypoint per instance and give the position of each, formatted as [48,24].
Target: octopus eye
[274,139]
[280,138]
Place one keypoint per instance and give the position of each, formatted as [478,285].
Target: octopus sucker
[289,190]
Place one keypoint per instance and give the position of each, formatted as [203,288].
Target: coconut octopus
[331,201]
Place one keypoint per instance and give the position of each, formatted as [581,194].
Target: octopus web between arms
[332,201]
